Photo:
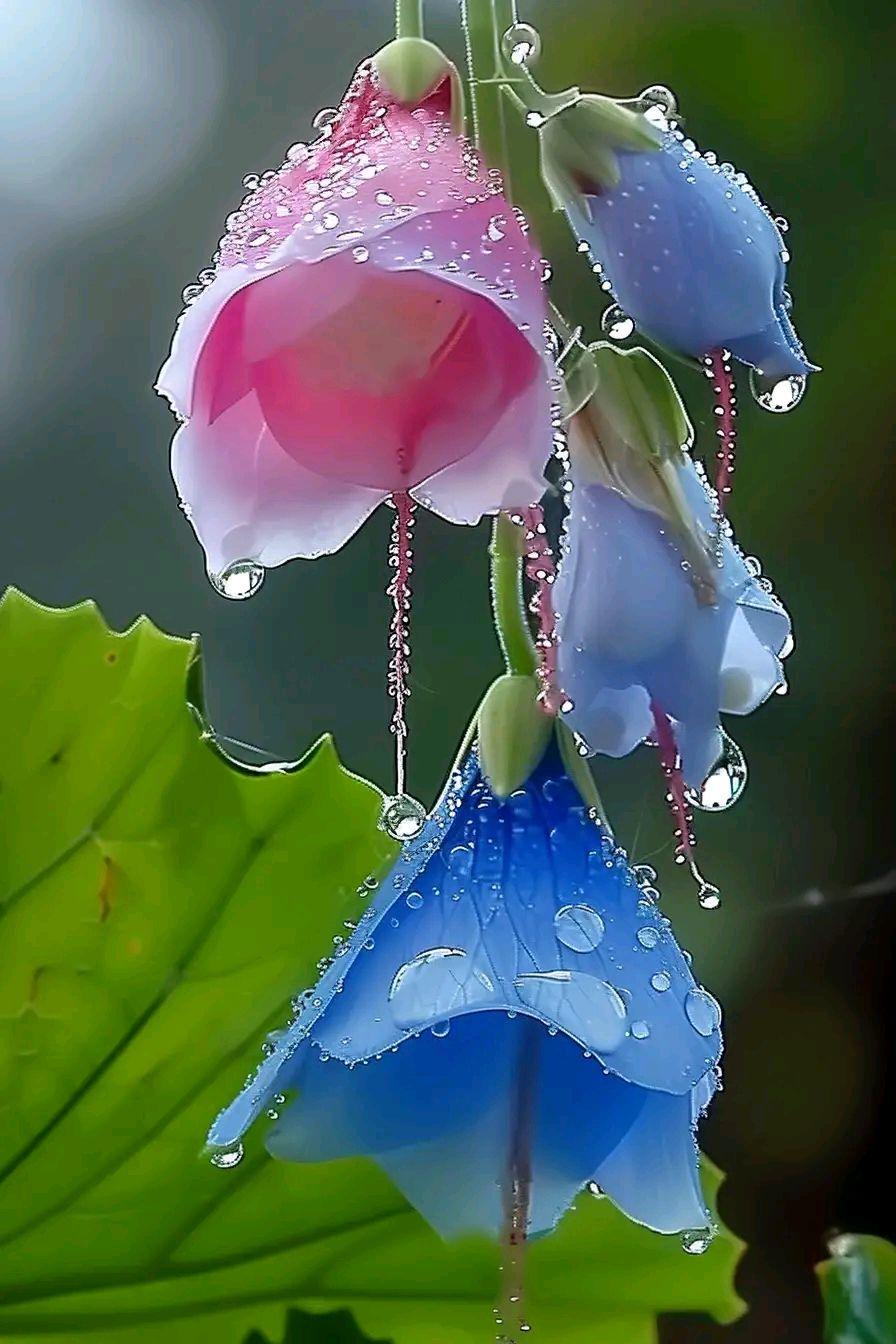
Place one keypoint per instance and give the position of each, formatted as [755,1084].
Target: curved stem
[508,607]
[408,18]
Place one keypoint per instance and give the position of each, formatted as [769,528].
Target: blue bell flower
[687,248]
[657,609]
[511,1020]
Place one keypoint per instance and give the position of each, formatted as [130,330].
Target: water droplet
[661,981]
[578,927]
[402,817]
[324,118]
[725,782]
[594,1189]
[702,1011]
[708,896]
[778,396]
[697,1240]
[239,580]
[425,984]
[589,1008]
[617,324]
[659,96]
[535,119]
[413,900]
[640,1031]
[521,44]
[226,1158]
[648,936]
[441,1029]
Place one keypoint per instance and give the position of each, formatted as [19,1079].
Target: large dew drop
[702,1011]
[697,1240]
[725,782]
[402,817]
[589,1009]
[239,580]
[521,44]
[427,986]
[780,395]
[617,324]
[226,1158]
[657,95]
[578,927]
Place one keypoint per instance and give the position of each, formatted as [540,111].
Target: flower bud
[579,144]
[410,69]
[514,732]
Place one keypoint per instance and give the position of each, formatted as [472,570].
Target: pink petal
[248,500]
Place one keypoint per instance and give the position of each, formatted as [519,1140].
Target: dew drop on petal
[423,985]
[640,1031]
[702,1011]
[648,936]
[725,782]
[779,395]
[324,118]
[226,1158]
[402,817]
[239,580]
[697,1240]
[661,981]
[659,96]
[578,927]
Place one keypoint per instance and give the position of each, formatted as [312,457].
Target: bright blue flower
[510,1001]
[640,624]
[694,257]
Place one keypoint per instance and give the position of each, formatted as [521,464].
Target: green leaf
[858,1284]
[158,906]
[336,1327]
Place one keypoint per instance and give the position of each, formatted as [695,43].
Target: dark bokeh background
[125,128]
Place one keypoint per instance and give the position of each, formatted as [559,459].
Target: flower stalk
[408,18]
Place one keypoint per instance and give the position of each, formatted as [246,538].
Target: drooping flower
[373,326]
[685,244]
[659,614]
[511,1020]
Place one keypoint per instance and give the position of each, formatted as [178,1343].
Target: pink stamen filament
[717,366]
[401,560]
[670,764]
[517,1189]
[541,569]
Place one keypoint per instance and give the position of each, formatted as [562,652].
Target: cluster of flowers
[374,329]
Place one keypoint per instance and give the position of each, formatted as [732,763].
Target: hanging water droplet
[521,44]
[578,927]
[402,817]
[239,580]
[441,1029]
[226,1158]
[324,118]
[659,96]
[702,1011]
[780,395]
[535,119]
[782,224]
[725,782]
[697,1240]
[617,324]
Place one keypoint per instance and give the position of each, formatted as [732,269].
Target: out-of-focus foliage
[333,1327]
[158,908]
[859,1288]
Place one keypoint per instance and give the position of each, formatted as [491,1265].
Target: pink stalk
[718,369]
[541,568]
[401,560]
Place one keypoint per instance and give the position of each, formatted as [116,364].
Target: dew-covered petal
[247,499]
[694,258]
[439,1116]
[653,1174]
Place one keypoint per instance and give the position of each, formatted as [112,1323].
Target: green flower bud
[410,69]
[514,732]
[579,144]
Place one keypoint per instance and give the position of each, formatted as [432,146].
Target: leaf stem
[508,607]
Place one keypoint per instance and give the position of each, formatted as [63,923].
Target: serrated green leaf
[858,1284]
[157,909]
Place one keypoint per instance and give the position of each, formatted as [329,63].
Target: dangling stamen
[517,1188]
[541,568]
[402,817]
[717,367]
[676,796]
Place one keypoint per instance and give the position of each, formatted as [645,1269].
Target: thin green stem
[508,606]
[408,18]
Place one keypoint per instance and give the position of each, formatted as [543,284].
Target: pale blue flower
[511,999]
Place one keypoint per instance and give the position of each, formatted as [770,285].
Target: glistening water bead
[227,1158]
[657,95]
[617,324]
[239,580]
[779,396]
[521,44]
[402,817]
[697,1240]
[725,782]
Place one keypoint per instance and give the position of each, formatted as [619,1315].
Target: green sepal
[514,732]
[858,1285]
[580,774]
[641,402]
[411,68]
[579,144]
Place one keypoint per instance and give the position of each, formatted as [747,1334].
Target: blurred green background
[125,128]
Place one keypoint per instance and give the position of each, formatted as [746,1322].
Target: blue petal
[694,259]
[438,1116]
[492,896]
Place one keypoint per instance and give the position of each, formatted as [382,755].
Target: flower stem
[408,18]
[508,607]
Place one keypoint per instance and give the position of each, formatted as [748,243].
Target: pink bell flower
[373,327]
